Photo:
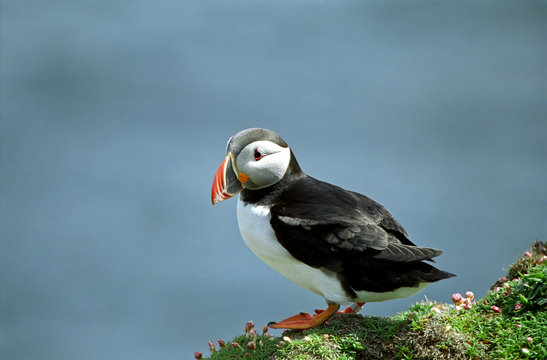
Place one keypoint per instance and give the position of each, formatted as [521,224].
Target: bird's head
[255,159]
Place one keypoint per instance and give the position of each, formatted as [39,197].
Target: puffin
[334,242]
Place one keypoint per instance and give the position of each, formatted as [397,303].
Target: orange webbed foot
[306,321]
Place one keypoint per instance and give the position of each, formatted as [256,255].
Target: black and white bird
[337,243]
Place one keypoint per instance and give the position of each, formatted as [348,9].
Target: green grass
[510,322]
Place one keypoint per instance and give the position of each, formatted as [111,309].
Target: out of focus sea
[115,116]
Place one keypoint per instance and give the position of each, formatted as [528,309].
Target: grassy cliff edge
[510,322]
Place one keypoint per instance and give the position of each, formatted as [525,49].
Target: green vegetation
[510,322]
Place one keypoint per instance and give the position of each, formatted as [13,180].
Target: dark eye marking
[258,155]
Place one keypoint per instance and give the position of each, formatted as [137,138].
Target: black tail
[392,276]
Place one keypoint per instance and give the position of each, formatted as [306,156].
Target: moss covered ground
[510,322]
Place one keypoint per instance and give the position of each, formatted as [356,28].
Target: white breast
[255,228]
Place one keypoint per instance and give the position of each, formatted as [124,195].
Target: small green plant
[404,353]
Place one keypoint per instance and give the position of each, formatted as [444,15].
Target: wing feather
[332,223]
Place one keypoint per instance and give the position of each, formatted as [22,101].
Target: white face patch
[264,162]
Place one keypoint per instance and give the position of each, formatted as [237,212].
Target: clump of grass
[315,346]
[430,335]
[525,293]
[353,336]
[536,255]
[250,345]
[510,322]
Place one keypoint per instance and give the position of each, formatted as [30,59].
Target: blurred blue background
[115,116]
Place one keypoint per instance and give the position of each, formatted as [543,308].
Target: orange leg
[352,309]
[305,320]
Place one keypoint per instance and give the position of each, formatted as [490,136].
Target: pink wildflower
[248,326]
[456,298]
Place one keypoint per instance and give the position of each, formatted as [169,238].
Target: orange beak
[226,183]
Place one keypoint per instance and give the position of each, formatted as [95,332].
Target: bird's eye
[258,155]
